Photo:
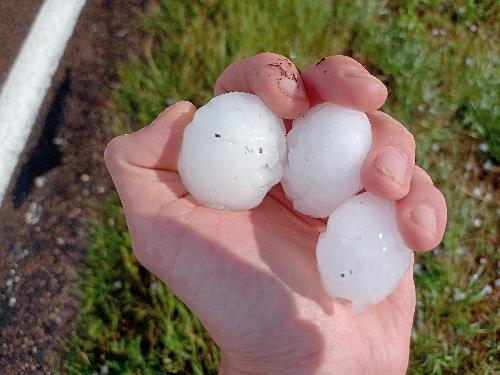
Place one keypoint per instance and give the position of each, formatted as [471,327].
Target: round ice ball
[361,255]
[326,149]
[232,152]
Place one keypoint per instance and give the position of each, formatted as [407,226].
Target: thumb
[143,165]
[143,168]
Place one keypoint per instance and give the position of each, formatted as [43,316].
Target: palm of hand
[251,277]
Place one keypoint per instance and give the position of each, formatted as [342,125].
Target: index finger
[344,81]
[273,78]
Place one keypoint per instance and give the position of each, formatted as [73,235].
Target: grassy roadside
[438,59]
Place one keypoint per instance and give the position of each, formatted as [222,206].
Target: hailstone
[361,255]
[326,149]
[232,152]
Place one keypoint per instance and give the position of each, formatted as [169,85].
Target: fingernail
[355,72]
[291,88]
[392,164]
[425,217]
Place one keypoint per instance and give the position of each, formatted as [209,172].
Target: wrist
[231,366]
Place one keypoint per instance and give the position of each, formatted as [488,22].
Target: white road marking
[30,78]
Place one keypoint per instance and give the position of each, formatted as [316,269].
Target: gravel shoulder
[43,221]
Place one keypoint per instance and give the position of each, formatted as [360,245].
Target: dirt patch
[44,220]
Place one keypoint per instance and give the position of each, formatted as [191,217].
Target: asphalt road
[16,17]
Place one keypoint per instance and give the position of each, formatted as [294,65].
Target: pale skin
[250,276]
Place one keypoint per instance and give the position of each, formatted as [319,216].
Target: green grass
[443,87]
[130,322]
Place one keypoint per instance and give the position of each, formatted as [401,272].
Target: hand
[251,276]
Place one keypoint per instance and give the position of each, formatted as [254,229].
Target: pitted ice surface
[326,149]
[361,255]
[232,152]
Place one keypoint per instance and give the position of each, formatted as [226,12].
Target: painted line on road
[30,78]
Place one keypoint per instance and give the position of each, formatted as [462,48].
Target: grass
[130,323]
[440,62]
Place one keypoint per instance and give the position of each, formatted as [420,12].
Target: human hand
[251,276]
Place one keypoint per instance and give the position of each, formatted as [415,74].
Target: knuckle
[112,152]
[392,130]
[400,132]
[377,95]
[440,198]
[409,138]
[421,174]
[219,88]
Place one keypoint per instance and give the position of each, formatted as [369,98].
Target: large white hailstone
[326,149]
[232,152]
[361,255]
